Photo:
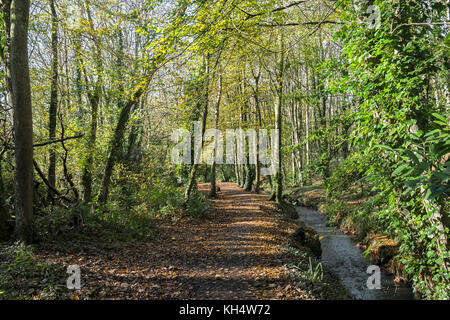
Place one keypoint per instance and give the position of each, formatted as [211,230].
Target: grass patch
[309,276]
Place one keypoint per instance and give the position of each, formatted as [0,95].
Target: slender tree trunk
[94,97]
[23,121]
[248,168]
[236,170]
[119,131]
[116,143]
[279,122]
[5,47]
[293,164]
[94,101]
[307,126]
[212,192]
[53,99]
[5,55]
[78,74]
[258,114]
[193,175]
[298,116]
[242,172]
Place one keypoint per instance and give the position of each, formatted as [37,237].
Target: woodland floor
[237,254]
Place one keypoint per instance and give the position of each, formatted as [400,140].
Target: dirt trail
[241,249]
[234,255]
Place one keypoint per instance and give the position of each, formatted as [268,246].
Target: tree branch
[58,141]
[253,15]
[292,24]
[42,176]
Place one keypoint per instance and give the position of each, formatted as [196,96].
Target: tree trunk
[94,97]
[23,121]
[212,192]
[116,143]
[236,170]
[192,177]
[258,113]
[53,100]
[248,168]
[249,177]
[6,63]
[279,123]
[94,101]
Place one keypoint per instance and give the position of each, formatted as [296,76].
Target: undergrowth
[23,277]
[128,217]
[309,275]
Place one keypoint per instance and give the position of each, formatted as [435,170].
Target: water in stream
[341,256]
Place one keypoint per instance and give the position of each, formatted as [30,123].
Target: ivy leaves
[393,71]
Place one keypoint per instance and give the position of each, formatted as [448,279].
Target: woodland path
[234,255]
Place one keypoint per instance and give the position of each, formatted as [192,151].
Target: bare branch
[293,24]
[42,176]
[58,141]
[253,15]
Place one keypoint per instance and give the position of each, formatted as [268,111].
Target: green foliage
[367,113]
[391,69]
[346,174]
[97,227]
[198,207]
[22,277]
[336,211]
[129,216]
[310,274]
[420,163]
[152,189]
[315,273]
[421,253]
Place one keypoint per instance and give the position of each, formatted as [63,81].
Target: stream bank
[342,257]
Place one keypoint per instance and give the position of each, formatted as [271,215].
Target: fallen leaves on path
[234,255]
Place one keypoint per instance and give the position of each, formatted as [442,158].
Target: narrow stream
[341,256]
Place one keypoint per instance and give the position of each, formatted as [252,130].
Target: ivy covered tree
[393,70]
